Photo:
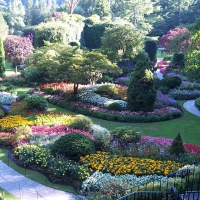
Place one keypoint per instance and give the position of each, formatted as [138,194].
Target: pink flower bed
[58,130]
[160,111]
[191,148]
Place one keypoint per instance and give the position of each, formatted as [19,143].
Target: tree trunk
[76,88]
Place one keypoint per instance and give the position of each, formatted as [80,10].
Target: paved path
[26,189]
[190,107]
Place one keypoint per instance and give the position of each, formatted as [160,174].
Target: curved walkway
[26,189]
[190,107]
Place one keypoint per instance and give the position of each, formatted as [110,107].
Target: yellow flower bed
[117,165]
[12,121]
[53,119]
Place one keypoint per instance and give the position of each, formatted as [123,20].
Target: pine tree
[141,94]
[177,147]
[2,59]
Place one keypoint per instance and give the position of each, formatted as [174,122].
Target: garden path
[26,189]
[190,107]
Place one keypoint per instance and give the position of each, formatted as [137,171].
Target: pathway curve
[190,107]
[26,189]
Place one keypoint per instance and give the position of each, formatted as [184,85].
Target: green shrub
[73,146]
[7,87]
[197,103]
[172,82]
[126,134]
[177,147]
[22,96]
[35,102]
[82,122]
[107,90]
[49,90]
[2,112]
[115,106]
[178,59]
[106,79]
[164,89]
[37,88]
[63,104]
[157,83]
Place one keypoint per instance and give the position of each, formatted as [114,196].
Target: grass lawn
[188,126]
[33,175]
[7,196]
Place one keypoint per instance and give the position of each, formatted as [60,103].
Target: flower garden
[73,150]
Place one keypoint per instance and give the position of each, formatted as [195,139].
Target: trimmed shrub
[115,106]
[126,134]
[177,147]
[197,103]
[22,132]
[49,90]
[35,102]
[172,82]
[178,59]
[164,89]
[73,146]
[107,90]
[82,122]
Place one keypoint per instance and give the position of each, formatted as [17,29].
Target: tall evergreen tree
[16,12]
[141,94]
[2,59]
[102,8]
[28,12]
[3,27]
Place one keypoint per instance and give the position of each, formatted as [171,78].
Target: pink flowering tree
[176,40]
[17,49]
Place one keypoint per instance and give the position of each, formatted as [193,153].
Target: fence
[186,182]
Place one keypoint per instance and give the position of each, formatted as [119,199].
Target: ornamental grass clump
[82,122]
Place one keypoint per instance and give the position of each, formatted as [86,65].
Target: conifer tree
[141,93]
[2,59]
[177,147]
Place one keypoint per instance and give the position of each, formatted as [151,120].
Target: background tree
[17,49]
[102,8]
[16,12]
[122,41]
[2,59]
[141,94]
[137,12]
[81,67]
[28,12]
[3,27]
[192,57]
[176,40]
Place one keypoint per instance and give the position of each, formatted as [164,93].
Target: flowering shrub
[128,116]
[184,94]
[197,103]
[99,179]
[163,100]
[117,165]
[58,166]
[88,94]
[186,85]
[171,74]
[6,98]
[6,139]
[10,122]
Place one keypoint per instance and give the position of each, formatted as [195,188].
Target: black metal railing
[185,180]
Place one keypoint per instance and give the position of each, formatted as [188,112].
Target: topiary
[141,93]
[177,147]
[73,146]
[172,82]
[126,134]
[82,122]
[115,106]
